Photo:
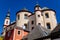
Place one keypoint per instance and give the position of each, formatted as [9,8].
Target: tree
[1,38]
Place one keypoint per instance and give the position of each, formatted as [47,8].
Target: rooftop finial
[37,3]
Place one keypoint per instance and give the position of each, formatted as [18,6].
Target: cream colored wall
[39,19]
[42,19]
[22,21]
[31,18]
[51,19]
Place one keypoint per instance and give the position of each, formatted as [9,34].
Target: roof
[44,8]
[22,29]
[37,32]
[48,10]
[57,28]
[12,24]
[23,10]
[53,35]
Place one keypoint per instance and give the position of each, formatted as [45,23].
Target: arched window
[46,14]
[25,16]
[39,23]
[38,15]
[25,25]
[32,22]
[48,26]
[18,17]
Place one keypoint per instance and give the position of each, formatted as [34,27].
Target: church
[30,25]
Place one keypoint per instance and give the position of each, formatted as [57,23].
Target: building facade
[26,21]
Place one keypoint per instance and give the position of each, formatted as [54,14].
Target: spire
[8,14]
[37,4]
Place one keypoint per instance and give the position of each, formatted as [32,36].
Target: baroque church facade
[27,22]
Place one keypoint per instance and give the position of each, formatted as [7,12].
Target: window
[32,28]
[6,22]
[47,16]
[38,15]
[9,33]
[18,17]
[25,25]
[25,16]
[32,22]
[39,24]
[18,32]
[48,26]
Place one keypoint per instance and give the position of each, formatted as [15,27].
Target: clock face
[23,27]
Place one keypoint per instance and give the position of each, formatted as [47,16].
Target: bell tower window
[6,22]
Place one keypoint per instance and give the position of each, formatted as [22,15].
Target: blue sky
[16,5]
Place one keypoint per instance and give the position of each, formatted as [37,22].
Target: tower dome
[22,17]
[24,10]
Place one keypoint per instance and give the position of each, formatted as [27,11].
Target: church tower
[38,15]
[22,18]
[6,22]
